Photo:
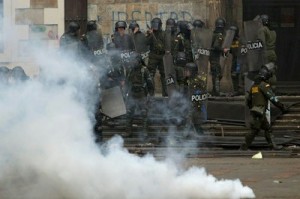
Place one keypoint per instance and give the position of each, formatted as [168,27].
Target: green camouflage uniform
[257,101]
[139,85]
[269,42]
[180,44]
[156,40]
[215,54]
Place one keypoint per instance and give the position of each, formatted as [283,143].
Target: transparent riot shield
[201,43]
[112,102]
[254,45]
[170,73]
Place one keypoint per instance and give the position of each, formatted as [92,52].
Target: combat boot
[270,140]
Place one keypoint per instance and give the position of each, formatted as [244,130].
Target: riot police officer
[216,52]
[139,85]
[268,37]
[156,40]
[198,23]
[122,40]
[235,65]
[182,51]
[197,97]
[171,26]
[17,75]
[69,41]
[92,43]
[257,99]
[140,41]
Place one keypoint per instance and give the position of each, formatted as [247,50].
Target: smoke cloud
[47,148]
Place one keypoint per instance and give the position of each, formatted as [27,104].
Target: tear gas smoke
[47,148]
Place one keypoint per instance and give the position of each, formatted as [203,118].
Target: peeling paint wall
[27,21]
[107,12]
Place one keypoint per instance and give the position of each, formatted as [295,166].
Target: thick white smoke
[47,148]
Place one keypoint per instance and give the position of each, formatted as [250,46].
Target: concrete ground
[274,178]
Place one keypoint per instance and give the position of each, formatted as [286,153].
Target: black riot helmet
[171,23]
[220,22]
[198,23]
[156,23]
[133,25]
[18,74]
[264,73]
[91,25]
[73,27]
[265,19]
[120,24]
[192,68]
[235,29]
[184,28]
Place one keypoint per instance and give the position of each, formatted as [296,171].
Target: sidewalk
[268,178]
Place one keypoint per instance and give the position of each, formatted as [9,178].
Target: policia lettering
[196,98]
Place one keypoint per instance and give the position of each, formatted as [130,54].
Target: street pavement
[269,178]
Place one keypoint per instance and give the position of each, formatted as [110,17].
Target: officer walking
[139,85]
[216,52]
[156,40]
[257,101]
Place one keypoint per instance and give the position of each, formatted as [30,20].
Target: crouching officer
[139,84]
[257,101]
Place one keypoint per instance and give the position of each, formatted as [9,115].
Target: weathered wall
[41,21]
[107,12]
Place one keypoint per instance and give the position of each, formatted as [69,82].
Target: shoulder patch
[254,89]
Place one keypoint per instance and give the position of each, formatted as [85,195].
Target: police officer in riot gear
[69,41]
[93,43]
[235,65]
[139,85]
[197,23]
[268,37]
[140,41]
[216,52]
[17,75]
[156,40]
[257,100]
[122,40]
[196,98]
[182,51]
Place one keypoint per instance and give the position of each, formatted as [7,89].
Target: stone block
[29,16]
[43,3]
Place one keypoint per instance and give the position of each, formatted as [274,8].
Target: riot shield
[170,73]
[254,45]
[201,43]
[228,38]
[248,83]
[112,102]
